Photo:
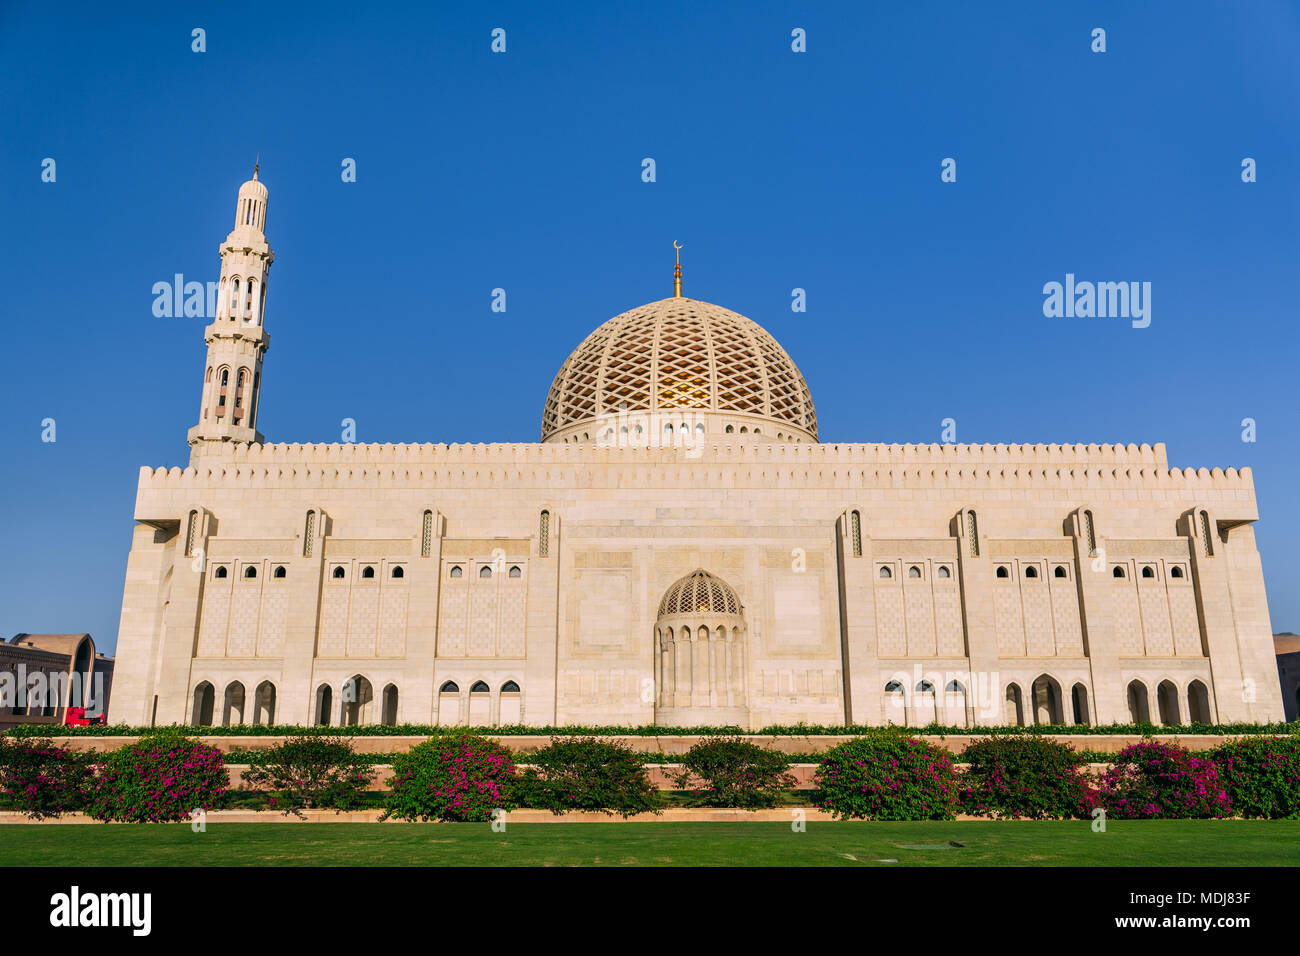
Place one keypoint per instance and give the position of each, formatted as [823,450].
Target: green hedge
[459,777]
[309,773]
[518,730]
[888,777]
[1261,776]
[464,776]
[1021,777]
[585,773]
[732,772]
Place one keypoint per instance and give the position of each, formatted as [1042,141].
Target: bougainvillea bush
[583,773]
[887,777]
[1023,778]
[1262,776]
[161,778]
[42,779]
[458,776]
[311,772]
[1152,780]
[732,772]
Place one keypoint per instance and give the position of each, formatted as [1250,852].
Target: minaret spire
[677,272]
[236,338]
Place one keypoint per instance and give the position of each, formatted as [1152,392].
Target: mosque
[680,548]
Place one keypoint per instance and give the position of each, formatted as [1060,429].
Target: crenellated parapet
[729,449]
[725,464]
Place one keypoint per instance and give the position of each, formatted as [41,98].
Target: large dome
[725,370]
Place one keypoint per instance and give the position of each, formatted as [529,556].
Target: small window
[479,687]
[944,572]
[515,572]
[1060,571]
[219,573]
[250,572]
[485,571]
[914,572]
[1031,572]
[398,572]
[1148,571]
[886,573]
[279,572]
[339,573]
[730,429]
[367,572]
[1118,572]
[456,571]
[449,687]
[1004,571]
[1175,572]
[509,687]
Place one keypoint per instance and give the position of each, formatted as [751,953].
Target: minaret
[236,339]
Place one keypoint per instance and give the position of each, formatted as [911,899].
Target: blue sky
[522,171]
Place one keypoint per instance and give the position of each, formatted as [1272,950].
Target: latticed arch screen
[700,592]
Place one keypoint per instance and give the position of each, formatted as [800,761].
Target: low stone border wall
[668,745]
[675,815]
[662,775]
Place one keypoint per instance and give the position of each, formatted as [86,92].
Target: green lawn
[982,843]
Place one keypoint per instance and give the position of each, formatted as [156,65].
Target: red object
[76,717]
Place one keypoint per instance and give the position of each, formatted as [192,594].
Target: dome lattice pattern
[679,353]
[700,593]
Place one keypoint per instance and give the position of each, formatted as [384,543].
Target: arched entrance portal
[700,654]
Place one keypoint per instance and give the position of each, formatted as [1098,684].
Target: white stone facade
[529,583]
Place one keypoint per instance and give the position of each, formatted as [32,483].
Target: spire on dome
[255,164]
[677,272]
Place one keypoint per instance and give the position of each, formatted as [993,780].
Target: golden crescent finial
[677,271]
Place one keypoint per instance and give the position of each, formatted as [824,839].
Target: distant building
[1287,647]
[42,675]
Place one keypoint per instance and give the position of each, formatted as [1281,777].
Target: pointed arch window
[191,533]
